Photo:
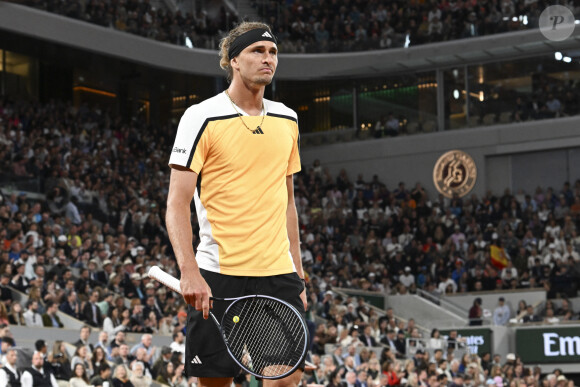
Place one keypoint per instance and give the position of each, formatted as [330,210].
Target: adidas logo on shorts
[267,35]
[196,360]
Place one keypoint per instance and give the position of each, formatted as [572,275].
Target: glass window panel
[20,74]
[321,106]
[455,95]
[525,89]
[397,105]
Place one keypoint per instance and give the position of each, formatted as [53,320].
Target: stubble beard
[263,80]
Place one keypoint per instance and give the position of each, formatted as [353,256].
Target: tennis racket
[266,336]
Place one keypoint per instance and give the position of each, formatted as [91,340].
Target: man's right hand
[196,291]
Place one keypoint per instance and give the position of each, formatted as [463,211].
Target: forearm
[178,220]
[294,238]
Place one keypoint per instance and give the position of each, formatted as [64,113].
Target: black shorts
[205,352]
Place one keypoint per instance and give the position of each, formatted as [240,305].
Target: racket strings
[263,341]
[279,355]
[288,333]
[269,338]
[277,359]
[276,362]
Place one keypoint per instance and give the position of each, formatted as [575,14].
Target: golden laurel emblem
[454,173]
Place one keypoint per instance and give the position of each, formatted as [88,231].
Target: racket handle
[172,283]
[166,279]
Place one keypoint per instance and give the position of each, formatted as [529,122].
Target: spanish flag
[499,257]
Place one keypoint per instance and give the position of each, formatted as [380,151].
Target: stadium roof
[81,35]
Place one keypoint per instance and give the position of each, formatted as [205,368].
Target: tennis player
[234,155]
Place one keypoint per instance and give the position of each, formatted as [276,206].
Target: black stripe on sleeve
[283,116]
[298,143]
[201,130]
[199,186]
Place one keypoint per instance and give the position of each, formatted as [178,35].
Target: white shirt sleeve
[3,378]
[53,381]
[26,379]
[110,329]
[187,131]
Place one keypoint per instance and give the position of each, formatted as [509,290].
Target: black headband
[247,38]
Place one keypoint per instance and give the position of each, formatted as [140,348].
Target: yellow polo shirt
[241,197]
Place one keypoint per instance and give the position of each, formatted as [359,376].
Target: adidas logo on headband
[247,38]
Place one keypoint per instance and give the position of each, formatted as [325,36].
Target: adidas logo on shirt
[196,360]
[267,35]
[258,131]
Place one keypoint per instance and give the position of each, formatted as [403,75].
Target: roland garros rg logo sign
[454,173]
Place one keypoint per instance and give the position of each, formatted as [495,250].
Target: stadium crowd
[318,25]
[82,245]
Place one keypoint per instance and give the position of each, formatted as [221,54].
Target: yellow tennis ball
[236,319]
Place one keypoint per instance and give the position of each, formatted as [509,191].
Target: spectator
[564,310]
[16,315]
[5,291]
[124,357]
[351,379]
[178,379]
[59,361]
[83,357]
[37,375]
[31,317]
[335,378]
[530,315]
[9,374]
[99,357]
[80,378]
[121,377]
[367,337]
[554,106]
[70,306]
[104,375]
[392,125]
[447,285]
[407,279]
[141,356]
[117,341]
[435,342]
[550,318]
[419,359]
[401,344]
[103,343]
[178,344]
[166,373]
[118,320]
[91,312]
[19,280]
[501,313]
[146,343]
[50,318]
[4,320]
[83,340]
[138,378]
[161,363]
[522,307]
[476,312]
[103,275]
[133,288]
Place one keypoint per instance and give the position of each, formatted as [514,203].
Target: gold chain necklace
[259,127]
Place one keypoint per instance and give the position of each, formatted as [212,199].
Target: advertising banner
[549,345]
[478,340]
